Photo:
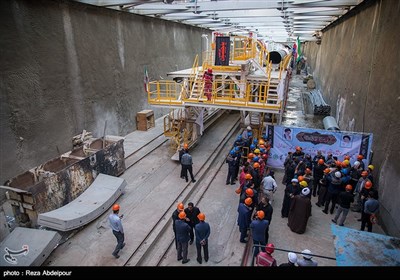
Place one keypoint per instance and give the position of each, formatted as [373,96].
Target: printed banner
[285,139]
[223,45]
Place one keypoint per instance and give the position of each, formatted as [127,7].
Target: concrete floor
[153,185]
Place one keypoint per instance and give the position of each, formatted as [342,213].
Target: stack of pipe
[320,106]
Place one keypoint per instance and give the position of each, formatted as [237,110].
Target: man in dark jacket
[191,213]
[345,199]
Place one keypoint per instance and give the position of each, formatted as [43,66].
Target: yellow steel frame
[225,92]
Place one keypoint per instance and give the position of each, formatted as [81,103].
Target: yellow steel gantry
[250,83]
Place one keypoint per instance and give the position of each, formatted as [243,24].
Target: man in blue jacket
[202,231]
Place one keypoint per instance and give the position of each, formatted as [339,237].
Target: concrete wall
[357,68]
[67,66]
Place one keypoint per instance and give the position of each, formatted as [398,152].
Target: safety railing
[284,65]
[165,92]
[227,92]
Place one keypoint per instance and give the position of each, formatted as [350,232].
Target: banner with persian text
[284,139]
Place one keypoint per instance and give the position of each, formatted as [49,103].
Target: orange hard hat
[344,164]
[368,185]
[327,171]
[360,157]
[260,214]
[238,190]
[201,217]
[115,207]
[321,161]
[250,156]
[256,165]
[180,206]
[182,215]
[185,146]
[249,192]
[248,176]
[349,187]
[270,248]
[300,178]
[248,201]
[338,163]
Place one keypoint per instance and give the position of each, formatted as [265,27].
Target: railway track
[143,151]
[152,249]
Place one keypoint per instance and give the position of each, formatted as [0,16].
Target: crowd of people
[338,186]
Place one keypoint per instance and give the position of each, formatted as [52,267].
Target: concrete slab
[97,199]
[28,247]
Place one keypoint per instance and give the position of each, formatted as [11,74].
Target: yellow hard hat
[303,183]
[371,167]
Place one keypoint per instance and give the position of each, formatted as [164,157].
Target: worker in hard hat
[334,188]
[182,237]
[307,259]
[371,208]
[318,174]
[202,232]
[345,199]
[117,229]
[175,216]
[300,211]
[266,207]
[266,258]
[187,163]
[244,218]
[258,227]
[323,188]
[359,187]
[298,154]
[185,149]
[370,175]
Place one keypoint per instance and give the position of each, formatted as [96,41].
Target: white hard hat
[295,181]
[292,257]
[338,174]
[305,191]
[306,251]
[356,163]
[249,128]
